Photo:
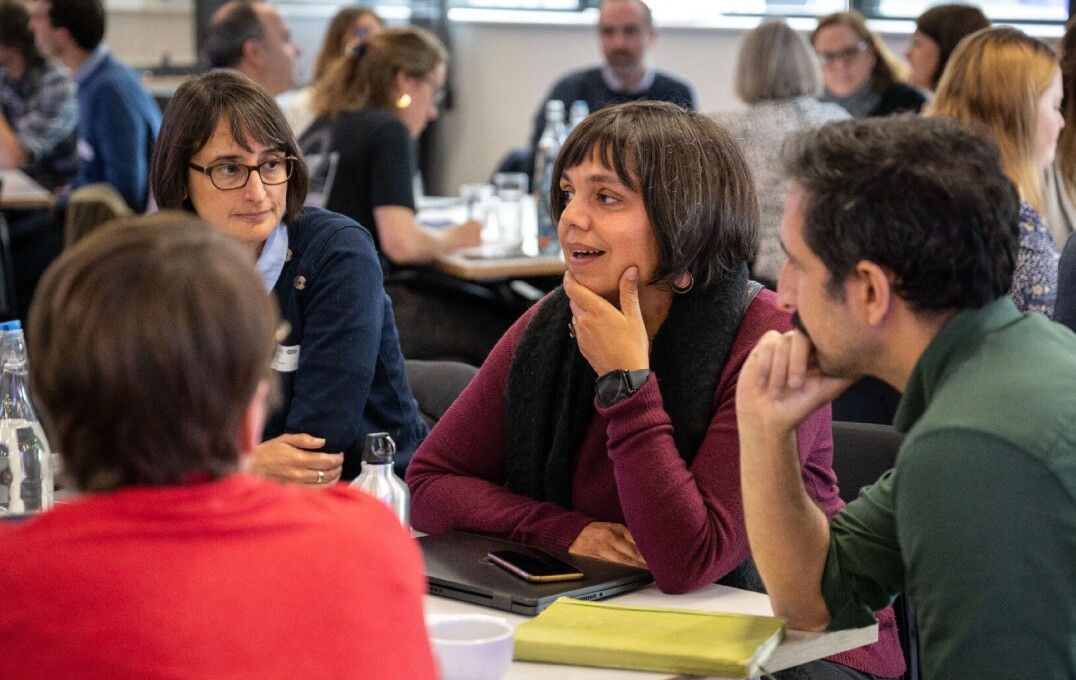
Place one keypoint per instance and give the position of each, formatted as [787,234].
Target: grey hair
[775,62]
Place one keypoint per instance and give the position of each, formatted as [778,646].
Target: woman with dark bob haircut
[226,153]
[604,421]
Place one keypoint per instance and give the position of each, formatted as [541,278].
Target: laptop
[457,568]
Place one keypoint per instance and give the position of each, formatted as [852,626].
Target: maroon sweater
[687,521]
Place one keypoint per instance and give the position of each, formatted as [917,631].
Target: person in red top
[604,421]
[149,347]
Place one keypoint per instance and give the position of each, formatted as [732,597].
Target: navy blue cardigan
[350,378]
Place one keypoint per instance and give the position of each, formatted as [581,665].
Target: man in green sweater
[901,237]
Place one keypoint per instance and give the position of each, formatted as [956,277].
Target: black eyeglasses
[845,55]
[230,176]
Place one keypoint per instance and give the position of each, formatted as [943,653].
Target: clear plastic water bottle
[576,113]
[377,478]
[26,483]
[548,147]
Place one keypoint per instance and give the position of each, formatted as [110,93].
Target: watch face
[612,388]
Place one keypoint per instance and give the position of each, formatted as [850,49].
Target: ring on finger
[321,477]
[571,329]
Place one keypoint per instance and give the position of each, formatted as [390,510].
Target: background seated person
[38,111]
[646,472]
[177,563]
[937,33]
[227,154]
[627,33]
[251,37]
[777,77]
[118,120]
[348,28]
[1009,84]
[371,106]
[858,70]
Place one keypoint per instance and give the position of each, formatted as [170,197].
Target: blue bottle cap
[13,325]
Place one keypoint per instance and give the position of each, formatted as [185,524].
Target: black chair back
[861,453]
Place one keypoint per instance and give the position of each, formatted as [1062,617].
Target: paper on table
[640,638]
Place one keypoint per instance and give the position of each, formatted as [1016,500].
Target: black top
[358,161]
[899,98]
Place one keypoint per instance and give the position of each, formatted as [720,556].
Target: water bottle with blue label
[548,147]
[26,483]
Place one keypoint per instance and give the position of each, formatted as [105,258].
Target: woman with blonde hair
[777,77]
[371,107]
[858,70]
[1009,85]
[350,26]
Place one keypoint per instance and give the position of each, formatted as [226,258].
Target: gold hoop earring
[404,101]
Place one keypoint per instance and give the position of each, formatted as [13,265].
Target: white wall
[142,37]
[499,72]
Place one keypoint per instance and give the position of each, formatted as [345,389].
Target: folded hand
[291,458]
[608,541]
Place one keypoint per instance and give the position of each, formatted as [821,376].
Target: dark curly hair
[925,198]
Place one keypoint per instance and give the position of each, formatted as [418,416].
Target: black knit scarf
[549,397]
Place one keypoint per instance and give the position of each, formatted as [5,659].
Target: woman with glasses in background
[858,70]
[226,153]
[371,108]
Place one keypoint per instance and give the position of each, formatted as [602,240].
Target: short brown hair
[192,116]
[694,181]
[775,63]
[368,76]
[147,341]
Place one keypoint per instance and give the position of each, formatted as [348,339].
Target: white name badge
[286,359]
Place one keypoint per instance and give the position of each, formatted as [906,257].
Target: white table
[489,260]
[19,192]
[798,647]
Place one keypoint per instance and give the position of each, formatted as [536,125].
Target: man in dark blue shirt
[118,119]
[626,31]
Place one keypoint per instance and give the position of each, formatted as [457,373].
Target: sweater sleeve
[688,521]
[341,334]
[120,142]
[457,476]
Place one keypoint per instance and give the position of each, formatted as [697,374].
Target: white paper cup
[471,646]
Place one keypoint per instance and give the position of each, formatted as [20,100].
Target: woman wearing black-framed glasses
[226,153]
[858,71]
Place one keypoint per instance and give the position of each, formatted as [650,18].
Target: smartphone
[535,566]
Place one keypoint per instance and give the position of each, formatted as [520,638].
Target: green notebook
[693,642]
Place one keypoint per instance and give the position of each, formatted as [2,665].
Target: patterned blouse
[1034,283]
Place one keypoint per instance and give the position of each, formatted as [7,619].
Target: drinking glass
[511,187]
